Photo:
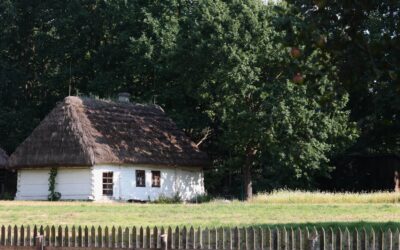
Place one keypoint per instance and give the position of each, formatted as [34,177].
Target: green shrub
[163,199]
[7,196]
[53,195]
[202,198]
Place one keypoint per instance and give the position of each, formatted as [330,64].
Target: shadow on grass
[368,225]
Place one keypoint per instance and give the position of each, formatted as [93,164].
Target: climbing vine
[53,195]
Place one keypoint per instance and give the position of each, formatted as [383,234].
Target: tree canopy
[363,39]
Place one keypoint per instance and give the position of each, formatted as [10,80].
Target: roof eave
[22,166]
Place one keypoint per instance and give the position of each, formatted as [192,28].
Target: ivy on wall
[53,195]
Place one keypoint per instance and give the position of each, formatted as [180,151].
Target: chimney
[123,97]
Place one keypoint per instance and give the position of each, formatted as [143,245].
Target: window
[140,178]
[108,183]
[156,178]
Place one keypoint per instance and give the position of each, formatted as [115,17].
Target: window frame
[137,176]
[152,178]
[106,189]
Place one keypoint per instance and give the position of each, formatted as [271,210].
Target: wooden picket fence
[87,238]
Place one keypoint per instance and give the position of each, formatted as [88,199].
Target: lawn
[213,214]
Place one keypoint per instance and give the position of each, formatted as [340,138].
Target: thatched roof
[84,132]
[3,158]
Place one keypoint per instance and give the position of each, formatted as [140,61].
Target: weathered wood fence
[68,238]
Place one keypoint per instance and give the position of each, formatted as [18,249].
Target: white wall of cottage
[86,183]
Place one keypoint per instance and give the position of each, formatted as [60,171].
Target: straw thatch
[84,132]
[3,158]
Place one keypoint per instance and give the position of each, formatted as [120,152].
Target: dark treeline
[274,93]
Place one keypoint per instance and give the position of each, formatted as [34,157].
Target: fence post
[164,241]
[312,240]
[39,242]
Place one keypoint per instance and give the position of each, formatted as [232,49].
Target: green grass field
[211,214]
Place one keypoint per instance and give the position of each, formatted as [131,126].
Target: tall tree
[269,110]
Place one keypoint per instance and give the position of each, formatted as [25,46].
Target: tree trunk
[247,180]
[396,182]
[248,184]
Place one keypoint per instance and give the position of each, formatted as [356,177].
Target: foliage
[53,195]
[163,199]
[50,50]
[201,198]
[364,42]
[235,56]
[7,196]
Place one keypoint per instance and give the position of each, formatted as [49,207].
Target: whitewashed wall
[188,182]
[72,183]
[86,183]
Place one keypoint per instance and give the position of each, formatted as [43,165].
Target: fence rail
[67,238]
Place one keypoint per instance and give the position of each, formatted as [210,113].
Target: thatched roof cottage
[108,150]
